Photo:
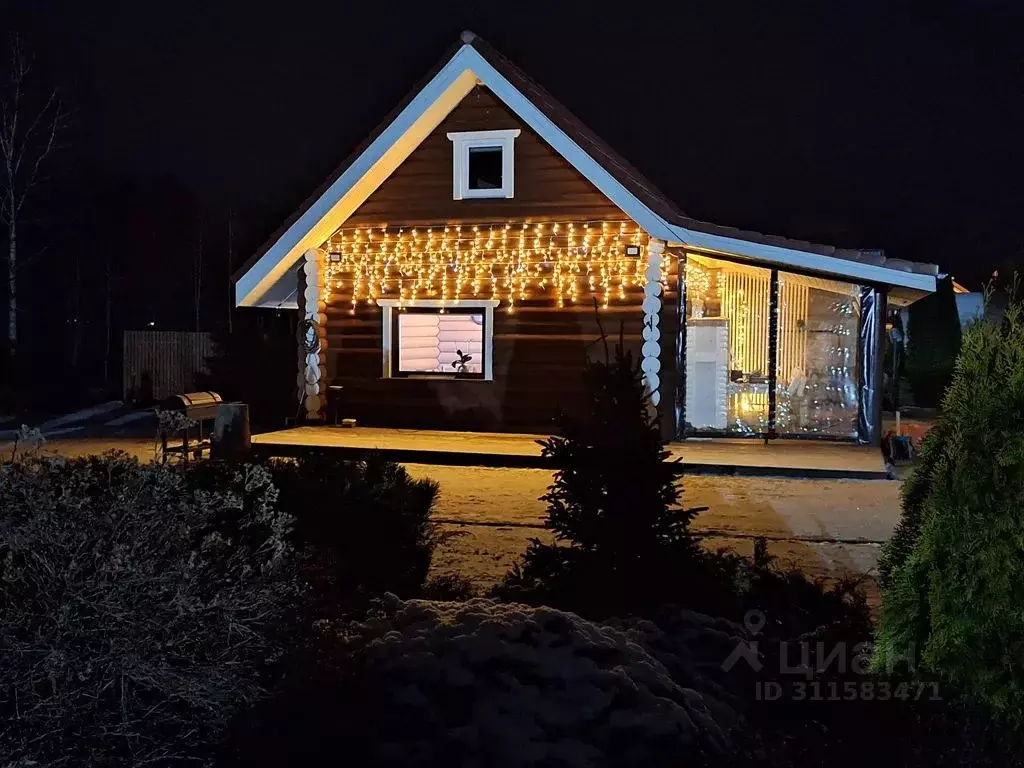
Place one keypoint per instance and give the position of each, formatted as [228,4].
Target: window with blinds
[439,342]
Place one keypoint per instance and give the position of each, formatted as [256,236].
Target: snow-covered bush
[693,646]
[487,683]
[138,609]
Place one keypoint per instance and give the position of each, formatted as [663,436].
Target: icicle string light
[570,261]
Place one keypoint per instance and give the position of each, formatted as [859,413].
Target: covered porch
[715,456]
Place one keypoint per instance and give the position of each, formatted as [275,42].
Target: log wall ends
[311,389]
[650,362]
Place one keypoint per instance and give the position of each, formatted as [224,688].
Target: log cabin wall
[547,187]
[539,349]
[538,357]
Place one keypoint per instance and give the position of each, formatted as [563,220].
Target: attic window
[483,164]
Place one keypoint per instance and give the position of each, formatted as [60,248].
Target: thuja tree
[913,502]
[623,540]
[951,599]
[933,344]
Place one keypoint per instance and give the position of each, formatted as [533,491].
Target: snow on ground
[484,554]
[8,437]
[132,417]
[144,448]
[62,425]
[826,528]
[82,415]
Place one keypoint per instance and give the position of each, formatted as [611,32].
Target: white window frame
[462,142]
[387,317]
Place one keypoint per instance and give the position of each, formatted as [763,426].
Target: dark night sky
[854,123]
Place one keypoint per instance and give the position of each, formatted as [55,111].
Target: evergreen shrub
[955,569]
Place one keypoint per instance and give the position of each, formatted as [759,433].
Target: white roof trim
[425,112]
[413,124]
[789,257]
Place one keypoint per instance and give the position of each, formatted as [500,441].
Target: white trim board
[429,107]
[424,113]
[463,142]
[413,124]
[438,303]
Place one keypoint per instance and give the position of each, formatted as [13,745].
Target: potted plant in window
[460,364]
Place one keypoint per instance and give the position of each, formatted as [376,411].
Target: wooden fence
[158,364]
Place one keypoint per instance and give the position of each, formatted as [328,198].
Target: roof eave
[356,182]
[803,260]
[259,283]
[444,91]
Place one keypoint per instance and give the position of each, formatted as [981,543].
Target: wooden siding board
[539,354]
[538,365]
[419,192]
[540,349]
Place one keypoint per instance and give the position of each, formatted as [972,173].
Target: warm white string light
[508,262]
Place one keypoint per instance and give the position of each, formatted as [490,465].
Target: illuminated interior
[817,369]
[568,261]
[728,308]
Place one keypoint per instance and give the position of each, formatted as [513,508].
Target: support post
[651,362]
[312,337]
[870,351]
[773,353]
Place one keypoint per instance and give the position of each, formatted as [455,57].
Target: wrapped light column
[312,336]
[650,363]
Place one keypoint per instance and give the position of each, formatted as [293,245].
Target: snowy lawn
[823,527]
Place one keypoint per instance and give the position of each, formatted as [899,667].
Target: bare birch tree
[28,134]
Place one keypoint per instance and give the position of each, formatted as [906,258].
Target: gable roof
[265,281]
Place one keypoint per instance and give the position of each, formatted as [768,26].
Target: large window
[728,354]
[727,311]
[430,339]
[817,356]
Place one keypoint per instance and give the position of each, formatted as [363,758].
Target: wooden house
[456,271]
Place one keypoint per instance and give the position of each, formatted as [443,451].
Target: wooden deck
[785,458]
